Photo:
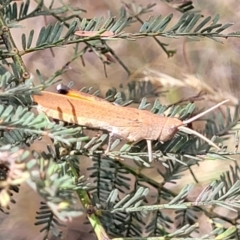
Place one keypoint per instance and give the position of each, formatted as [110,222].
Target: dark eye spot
[62,89]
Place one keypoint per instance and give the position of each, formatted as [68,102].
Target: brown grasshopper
[121,122]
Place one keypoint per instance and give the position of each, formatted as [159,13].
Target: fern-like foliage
[132,204]
[46,217]
[23,121]
[117,197]
[15,13]
[55,188]
[188,25]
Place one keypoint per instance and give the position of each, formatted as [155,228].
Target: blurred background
[204,65]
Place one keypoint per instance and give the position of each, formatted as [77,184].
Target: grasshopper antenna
[185,122]
[190,131]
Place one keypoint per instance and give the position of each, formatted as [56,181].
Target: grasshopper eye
[62,89]
[168,133]
[173,129]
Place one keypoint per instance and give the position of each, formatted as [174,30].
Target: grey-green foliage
[190,25]
[23,121]
[47,218]
[188,210]
[120,192]
[52,34]
[14,12]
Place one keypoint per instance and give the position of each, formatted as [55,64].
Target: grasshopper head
[170,128]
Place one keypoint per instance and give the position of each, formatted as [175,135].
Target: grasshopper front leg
[113,137]
[149,148]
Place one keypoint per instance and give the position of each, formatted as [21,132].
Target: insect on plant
[126,123]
